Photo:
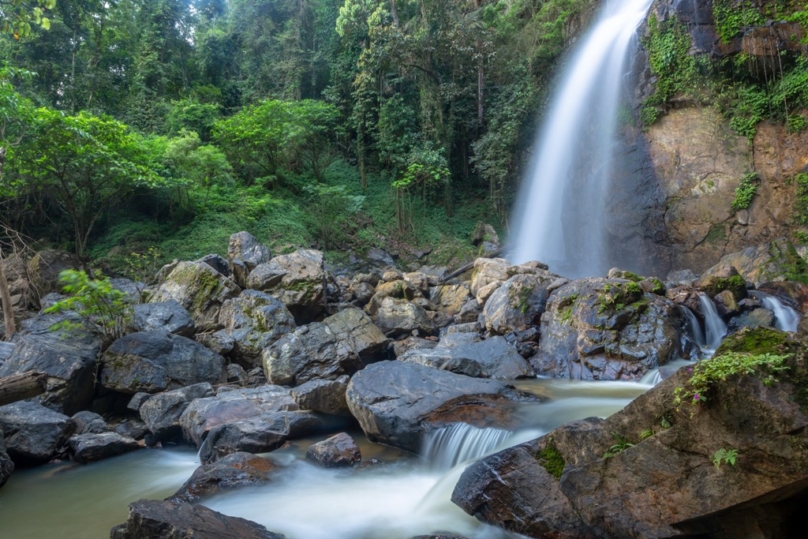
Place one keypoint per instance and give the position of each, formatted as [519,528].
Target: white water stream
[560,217]
[714,325]
[785,318]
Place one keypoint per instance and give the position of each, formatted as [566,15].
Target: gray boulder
[5,350]
[218,263]
[326,396]
[296,279]
[33,434]
[220,341]
[399,317]
[450,298]
[357,331]
[132,290]
[6,464]
[491,358]
[167,316]
[87,422]
[132,428]
[161,413]
[254,320]
[198,288]
[91,447]
[243,246]
[396,402]
[338,451]
[154,361]
[752,319]
[516,305]
[236,470]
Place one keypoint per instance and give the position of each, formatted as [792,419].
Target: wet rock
[791,293]
[326,396]
[296,279]
[198,288]
[398,317]
[360,335]
[395,402]
[153,519]
[33,433]
[309,353]
[161,413]
[87,422]
[233,471]
[6,464]
[516,305]
[722,277]
[132,428]
[254,320]
[752,319]
[218,263]
[600,329]
[154,361]
[243,246]
[491,358]
[167,316]
[338,451]
[91,447]
[725,303]
[67,356]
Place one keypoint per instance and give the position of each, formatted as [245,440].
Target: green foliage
[18,17]
[731,16]
[621,444]
[551,459]
[710,371]
[100,306]
[801,203]
[745,191]
[726,456]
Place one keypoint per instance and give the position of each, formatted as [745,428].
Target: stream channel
[401,496]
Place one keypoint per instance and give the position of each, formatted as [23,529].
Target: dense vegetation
[152,129]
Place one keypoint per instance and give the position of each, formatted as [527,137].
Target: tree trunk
[22,386]
[5,304]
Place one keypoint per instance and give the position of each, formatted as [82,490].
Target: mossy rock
[760,340]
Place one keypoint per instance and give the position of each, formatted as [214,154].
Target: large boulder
[154,361]
[491,358]
[357,331]
[67,356]
[167,316]
[6,464]
[326,396]
[198,288]
[33,434]
[297,279]
[90,447]
[233,471]
[243,246]
[516,305]
[770,261]
[161,413]
[396,402]
[722,277]
[338,451]
[398,317]
[607,329]
[45,266]
[659,468]
[254,320]
[309,353]
[154,519]
[450,298]
[87,422]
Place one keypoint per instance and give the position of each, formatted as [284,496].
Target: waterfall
[560,217]
[694,327]
[785,318]
[449,446]
[716,328]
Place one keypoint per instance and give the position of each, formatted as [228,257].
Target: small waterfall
[693,325]
[716,328]
[449,446]
[560,218]
[785,318]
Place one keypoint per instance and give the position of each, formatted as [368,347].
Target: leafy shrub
[745,191]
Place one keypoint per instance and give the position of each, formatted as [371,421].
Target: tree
[18,16]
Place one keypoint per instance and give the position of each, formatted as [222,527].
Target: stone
[22,292]
[67,356]
[487,271]
[233,471]
[326,396]
[87,422]
[45,266]
[154,361]
[297,279]
[132,428]
[236,374]
[137,401]
[380,258]
[725,303]
[360,335]
[450,298]
[491,358]
[791,293]
[469,313]
[220,341]
[200,289]
[684,277]
[766,262]
[418,280]
[404,345]
[161,413]
[90,447]
[395,402]
[217,262]
[5,350]
[154,519]
[167,316]
[486,291]
[719,278]
[752,319]
[363,292]
[6,464]
[398,317]
[254,321]
[398,288]
[601,329]
[338,451]
[243,246]
[483,233]
[516,305]
[33,434]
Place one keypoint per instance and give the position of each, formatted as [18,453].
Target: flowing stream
[785,318]
[714,325]
[560,218]
[401,496]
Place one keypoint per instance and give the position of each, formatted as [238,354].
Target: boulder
[23,295]
[491,358]
[770,261]
[357,331]
[485,233]
[132,290]
[398,317]
[45,266]
[602,329]
[309,353]
[326,396]
[137,401]
[722,277]
[755,318]
[91,447]
[254,320]
[218,263]
[67,356]
[154,519]
[296,279]
[243,246]
[198,288]
[396,402]
[161,413]
[87,422]
[132,428]
[33,434]
[167,316]
[5,350]
[516,305]
[450,298]
[791,293]
[233,471]
[6,464]
[398,288]
[154,361]
[363,292]
[220,341]
[338,451]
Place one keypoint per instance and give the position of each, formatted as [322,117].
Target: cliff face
[675,204]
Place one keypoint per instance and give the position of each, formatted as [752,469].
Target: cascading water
[785,318]
[693,326]
[714,324]
[560,220]
[449,446]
